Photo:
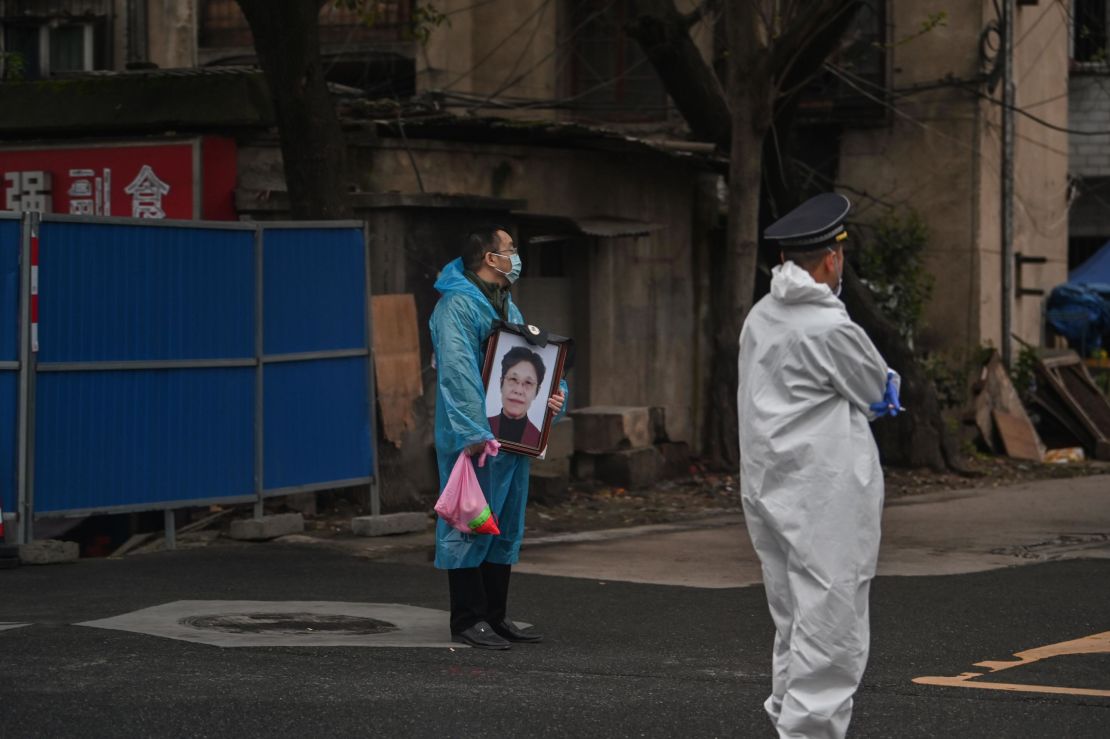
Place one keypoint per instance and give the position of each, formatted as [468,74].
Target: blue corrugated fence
[188,363]
[10,243]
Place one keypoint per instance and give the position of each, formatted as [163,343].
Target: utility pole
[1007,178]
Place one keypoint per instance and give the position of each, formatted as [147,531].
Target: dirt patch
[594,506]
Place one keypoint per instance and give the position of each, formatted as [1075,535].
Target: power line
[524,49]
[497,46]
[561,44]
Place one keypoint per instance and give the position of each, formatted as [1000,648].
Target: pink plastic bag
[462,502]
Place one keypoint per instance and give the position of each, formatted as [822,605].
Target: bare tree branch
[699,13]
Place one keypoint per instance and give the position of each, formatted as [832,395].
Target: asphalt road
[621,659]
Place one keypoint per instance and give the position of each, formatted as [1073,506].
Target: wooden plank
[1018,436]
[997,393]
[127,546]
[1065,359]
[397,368]
[1055,382]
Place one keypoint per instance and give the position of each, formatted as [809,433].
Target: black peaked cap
[815,224]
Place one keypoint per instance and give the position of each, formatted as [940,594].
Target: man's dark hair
[519,354]
[477,243]
[807,260]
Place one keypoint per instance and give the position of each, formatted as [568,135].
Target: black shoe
[508,630]
[481,636]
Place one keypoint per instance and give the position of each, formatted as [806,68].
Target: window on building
[38,39]
[854,87]
[610,76]
[356,53]
[1089,30]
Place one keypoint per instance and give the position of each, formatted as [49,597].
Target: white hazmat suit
[812,491]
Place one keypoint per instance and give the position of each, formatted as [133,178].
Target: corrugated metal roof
[559,228]
[610,227]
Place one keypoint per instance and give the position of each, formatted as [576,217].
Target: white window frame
[86,46]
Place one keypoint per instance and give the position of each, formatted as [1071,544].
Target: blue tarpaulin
[1095,270]
[1079,310]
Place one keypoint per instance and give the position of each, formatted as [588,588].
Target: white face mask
[515,265]
[839,273]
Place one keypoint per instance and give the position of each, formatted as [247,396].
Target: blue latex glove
[889,405]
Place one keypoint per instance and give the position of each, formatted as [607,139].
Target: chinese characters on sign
[146,192]
[27,191]
[90,193]
[183,179]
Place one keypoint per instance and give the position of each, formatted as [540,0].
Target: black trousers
[478,594]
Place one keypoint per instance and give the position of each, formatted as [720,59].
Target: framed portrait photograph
[522,371]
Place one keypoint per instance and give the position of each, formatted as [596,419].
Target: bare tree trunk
[664,35]
[767,68]
[751,96]
[917,437]
[287,41]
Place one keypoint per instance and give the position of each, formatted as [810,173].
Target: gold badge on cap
[533,330]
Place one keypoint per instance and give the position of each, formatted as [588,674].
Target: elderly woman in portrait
[522,373]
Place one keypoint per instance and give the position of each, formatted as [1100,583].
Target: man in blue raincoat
[474,293]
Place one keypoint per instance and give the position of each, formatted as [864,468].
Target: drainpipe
[1007,178]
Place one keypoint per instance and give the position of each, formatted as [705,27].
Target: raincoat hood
[792,284]
[452,280]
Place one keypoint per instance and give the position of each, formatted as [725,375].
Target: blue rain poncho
[460,324]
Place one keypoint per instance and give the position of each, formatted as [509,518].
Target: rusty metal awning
[560,228]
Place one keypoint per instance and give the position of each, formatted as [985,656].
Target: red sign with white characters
[186,179]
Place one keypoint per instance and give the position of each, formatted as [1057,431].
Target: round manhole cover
[288,623]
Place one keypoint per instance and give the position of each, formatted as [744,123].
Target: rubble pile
[1065,407]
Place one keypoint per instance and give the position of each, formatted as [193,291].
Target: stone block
[582,466]
[601,429]
[548,488]
[558,465]
[675,459]
[630,468]
[49,552]
[657,415]
[267,527]
[390,523]
[560,442]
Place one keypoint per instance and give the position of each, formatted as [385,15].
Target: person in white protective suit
[811,484]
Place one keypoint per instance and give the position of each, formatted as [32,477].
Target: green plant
[889,261]
[949,380]
[425,18]
[11,65]
[1022,373]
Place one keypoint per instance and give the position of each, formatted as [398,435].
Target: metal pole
[375,494]
[171,529]
[259,404]
[1007,179]
[22,508]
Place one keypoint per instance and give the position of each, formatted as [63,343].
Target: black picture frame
[530,437]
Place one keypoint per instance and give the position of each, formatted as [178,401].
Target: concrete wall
[506,48]
[941,155]
[1040,157]
[171,33]
[512,49]
[928,160]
